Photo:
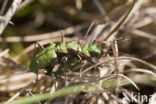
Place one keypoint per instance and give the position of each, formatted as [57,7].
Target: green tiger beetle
[64,52]
[70,53]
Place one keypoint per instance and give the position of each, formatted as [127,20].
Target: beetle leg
[64,59]
[56,67]
[62,36]
[81,68]
[82,64]
[86,58]
[39,45]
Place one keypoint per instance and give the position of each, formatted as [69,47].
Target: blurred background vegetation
[47,16]
[43,16]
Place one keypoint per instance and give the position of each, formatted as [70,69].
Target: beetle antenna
[39,45]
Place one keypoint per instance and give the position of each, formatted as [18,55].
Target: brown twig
[24,4]
[3,7]
[44,36]
[120,22]
[115,52]
[9,14]
[142,34]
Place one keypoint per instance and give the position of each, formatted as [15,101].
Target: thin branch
[3,7]
[31,38]
[115,53]
[4,52]
[99,6]
[78,4]
[142,34]
[131,81]
[16,81]
[143,22]
[141,70]
[18,93]
[3,19]
[9,14]
[136,8]
[120,22]
[123,58]
[24,4]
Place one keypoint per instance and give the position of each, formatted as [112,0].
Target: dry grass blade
[18,93]
[142,34]
[4,52]
[24,4]
[115,53]
[121,58]
[4,19]
[143,71]
[120,22]
[3,7]
[144,22]
[138,60]
[9,14]
[132,82]
[16,81]
[79,4]
[44,36]
[99,6]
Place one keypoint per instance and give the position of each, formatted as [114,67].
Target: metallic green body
[62,47]
[43,58]
[95,48]
[85,50]
[73,45]
[73,61]
[48,56]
